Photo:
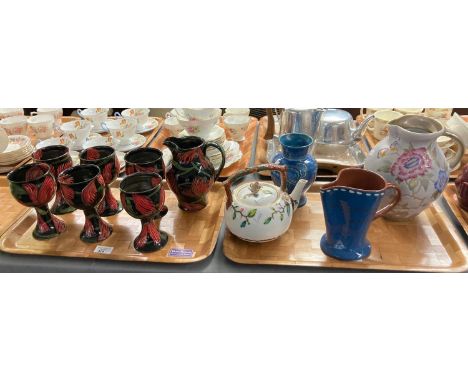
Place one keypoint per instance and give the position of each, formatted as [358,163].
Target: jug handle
[460,149]
[392,204]
[223,157]
[252,170]
[359,131]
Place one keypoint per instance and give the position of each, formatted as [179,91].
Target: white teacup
[17,125]
[199,127]
[381,120]
[141,114]
[95,115]
[10,112]
[56,113]
[237,125]
[372,110]
[434,112]
[172,124]
[236,111]
[201,114]
[457,125]
[77,131]
[406,111]
[42,125]
[122,129]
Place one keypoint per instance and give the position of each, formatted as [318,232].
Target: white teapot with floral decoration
[260,211]
[410,157]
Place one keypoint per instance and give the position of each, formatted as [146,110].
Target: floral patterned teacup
[382,118]
[95,115]
[121,129]
[237,125]
[10,112]
[141,114]
[77,131]
[17,125]
[42,125]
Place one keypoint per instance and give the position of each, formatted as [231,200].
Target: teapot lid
[256,194]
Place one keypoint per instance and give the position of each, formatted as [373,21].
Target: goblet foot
[60,206]
[150,238]
[48,225]
[95,229]
[109,205]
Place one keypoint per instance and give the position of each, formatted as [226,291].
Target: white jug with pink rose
[410,158]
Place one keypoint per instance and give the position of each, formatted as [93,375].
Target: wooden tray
[245,146]
[450,195]
[428,243]
[191,231]
[10,207]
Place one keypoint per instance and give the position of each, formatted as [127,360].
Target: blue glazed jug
[350,203]
[300,164]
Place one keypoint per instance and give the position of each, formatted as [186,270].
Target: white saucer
[215,134]
[52,142]
[96,140]
[149,125]
[136,141]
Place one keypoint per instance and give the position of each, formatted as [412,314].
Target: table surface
[217,262]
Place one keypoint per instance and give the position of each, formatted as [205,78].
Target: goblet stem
[150,238]
[95,228]
[48,225]
[60,206]
[109,205]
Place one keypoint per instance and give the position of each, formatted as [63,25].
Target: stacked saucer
[231,148]
[19,148]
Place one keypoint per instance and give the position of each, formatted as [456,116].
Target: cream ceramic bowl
[17,125]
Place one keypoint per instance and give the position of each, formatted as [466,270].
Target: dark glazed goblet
[144,159]
[83,188]
[142,196]
[58,158]
[104,157]
[33,185]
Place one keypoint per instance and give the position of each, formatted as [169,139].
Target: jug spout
[359,131]
[296,193]
[172,143]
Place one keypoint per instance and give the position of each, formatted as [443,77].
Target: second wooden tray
[192,235]
[450,195]
[427,243]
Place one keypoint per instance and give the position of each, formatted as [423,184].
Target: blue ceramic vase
[300,164]
[350,203]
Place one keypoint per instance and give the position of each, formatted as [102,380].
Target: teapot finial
[254,188]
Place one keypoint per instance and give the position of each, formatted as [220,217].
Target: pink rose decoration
[411,164]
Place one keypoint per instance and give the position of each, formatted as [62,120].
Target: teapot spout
[297,192]
[359,131]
